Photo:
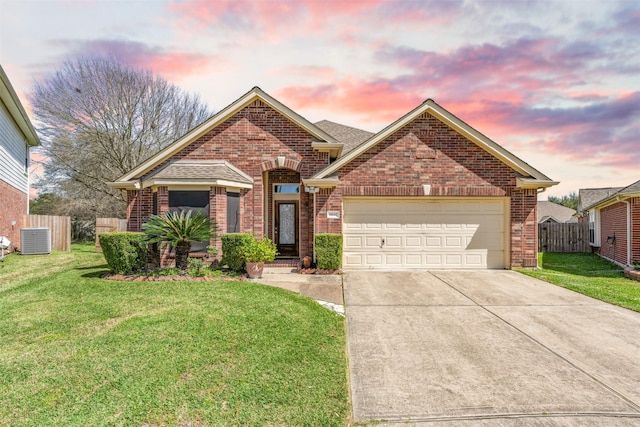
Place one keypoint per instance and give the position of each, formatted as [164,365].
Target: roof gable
[254,94]
[9,97]
[530,177]
[550,210]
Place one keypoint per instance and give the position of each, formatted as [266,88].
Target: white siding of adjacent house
[13,153]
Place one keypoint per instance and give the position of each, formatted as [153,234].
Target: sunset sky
[555,82]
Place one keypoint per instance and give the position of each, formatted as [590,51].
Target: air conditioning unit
[35,241]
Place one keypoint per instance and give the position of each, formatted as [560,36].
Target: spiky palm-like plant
[179,230]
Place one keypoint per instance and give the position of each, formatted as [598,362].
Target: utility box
[35,241]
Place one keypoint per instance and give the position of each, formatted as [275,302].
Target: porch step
[279,274]
[279,270]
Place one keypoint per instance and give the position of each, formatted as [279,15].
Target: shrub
[328,251]
[125,251]
[263,250]
[231,249]
[179,229]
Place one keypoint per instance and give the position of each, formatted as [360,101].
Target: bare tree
[97,119]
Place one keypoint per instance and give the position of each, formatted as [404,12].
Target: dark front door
[286,228]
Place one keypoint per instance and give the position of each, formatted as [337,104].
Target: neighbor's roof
[17,111]
[351,137]
[254,94]
[592,197]
[529,176]
[558,212]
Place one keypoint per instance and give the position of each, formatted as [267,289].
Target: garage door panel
[453,242]
[413,242]
[433,242]
[466,233]
[394,242]
[372,242]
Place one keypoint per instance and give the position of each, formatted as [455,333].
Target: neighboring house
[427,191]
[16,136]
[614,221]
[553,212]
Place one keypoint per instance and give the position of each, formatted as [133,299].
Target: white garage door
[424,233]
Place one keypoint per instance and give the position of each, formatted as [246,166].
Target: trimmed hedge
[125,251]
[328,251]
[231,249]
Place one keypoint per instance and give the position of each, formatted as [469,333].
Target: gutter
[628,231]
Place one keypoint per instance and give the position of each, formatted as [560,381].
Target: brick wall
[218,211]
[427,151]
[139,208]
[13,206]
[635,230]
[251,140]
[613,221]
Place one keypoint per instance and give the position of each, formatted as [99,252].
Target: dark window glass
[287,188]
[155,203]
[191,200]
[233,212]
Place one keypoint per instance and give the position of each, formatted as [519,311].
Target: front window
[196,201]
[286,189]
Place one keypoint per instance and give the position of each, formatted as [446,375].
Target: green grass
[78,350]
[590,275]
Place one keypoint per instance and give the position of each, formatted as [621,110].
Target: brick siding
[635,230]
[13,203]
[613,221]
[426,151]
[251,140]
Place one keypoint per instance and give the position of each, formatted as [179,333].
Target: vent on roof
[35,241]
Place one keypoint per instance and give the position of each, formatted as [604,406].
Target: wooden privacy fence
[106,225]
[60,227]
[563,237]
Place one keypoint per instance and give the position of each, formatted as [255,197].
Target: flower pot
[254,269]
[306,262]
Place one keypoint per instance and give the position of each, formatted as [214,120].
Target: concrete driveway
[487,348]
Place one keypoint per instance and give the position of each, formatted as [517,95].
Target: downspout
[628,231]
[313,244]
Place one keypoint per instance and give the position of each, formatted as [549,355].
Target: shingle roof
[633,188]
[203,169]
[351,137]
[590,196]
[558,212]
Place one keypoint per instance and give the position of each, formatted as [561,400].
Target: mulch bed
[310,270]
[176,278]
[132,278]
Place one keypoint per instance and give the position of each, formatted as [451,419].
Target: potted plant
[256,253]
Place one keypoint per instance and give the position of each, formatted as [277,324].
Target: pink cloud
[163,62]
[276,19]
[311,71]
[373,100]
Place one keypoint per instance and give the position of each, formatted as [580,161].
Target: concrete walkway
[319,287]
[488,348]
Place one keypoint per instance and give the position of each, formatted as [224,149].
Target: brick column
[218,213]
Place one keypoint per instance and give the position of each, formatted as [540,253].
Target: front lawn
[590,275]
[79,350]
